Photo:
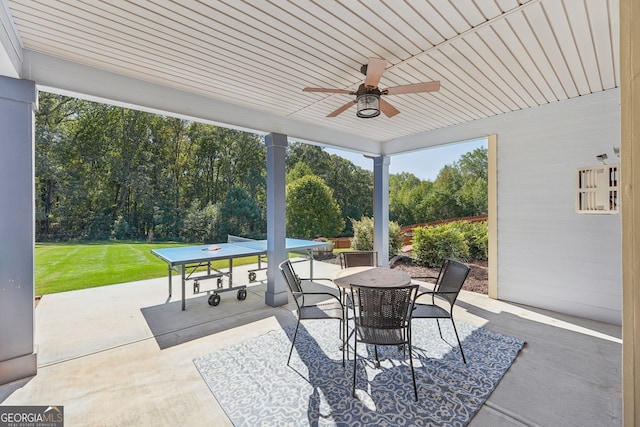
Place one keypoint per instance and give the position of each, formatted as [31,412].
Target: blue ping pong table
[190,261]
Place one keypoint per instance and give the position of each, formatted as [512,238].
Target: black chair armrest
[316,279]
[329,294]
[424,277]
[430,293]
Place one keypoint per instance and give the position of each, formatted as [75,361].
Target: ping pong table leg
[310,255]
[183,280]
[170,270]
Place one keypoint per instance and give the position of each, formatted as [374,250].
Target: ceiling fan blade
[388,109]
[342,109]
[320,89]
[375,68]
[413,88]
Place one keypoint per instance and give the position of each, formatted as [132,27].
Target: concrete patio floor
[122,355]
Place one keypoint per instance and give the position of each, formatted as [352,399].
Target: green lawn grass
[63,267]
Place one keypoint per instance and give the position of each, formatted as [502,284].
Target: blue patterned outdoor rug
[255,387]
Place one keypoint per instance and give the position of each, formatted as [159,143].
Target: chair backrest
[451,278]
[358,259]
[293,281]
[383,308]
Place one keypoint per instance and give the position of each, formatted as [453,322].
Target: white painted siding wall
[548,255]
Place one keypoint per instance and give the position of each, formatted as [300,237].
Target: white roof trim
[10,44]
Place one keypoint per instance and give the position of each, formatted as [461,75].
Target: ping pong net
[245,241]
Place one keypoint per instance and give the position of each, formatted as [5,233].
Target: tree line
[108,172]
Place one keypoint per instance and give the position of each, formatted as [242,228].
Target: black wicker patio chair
[443,296]
[318,305]
[383,317]
[358,259]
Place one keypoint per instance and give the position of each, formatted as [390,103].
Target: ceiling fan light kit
[368,101]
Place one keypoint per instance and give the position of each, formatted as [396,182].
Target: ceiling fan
[368,95]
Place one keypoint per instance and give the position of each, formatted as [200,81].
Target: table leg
[347,302]
[170,270]
[183,280]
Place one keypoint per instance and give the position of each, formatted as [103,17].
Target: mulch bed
[477,281]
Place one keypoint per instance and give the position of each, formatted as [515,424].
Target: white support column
[276,294]
[17,217]
[381,209]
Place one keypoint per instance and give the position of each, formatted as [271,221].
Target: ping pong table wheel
[242,294]
[252,276]
[214,299]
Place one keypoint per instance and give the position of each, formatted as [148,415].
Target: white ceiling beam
[66,77]
[491,125]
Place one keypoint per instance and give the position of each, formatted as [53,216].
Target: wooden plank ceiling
[491,56]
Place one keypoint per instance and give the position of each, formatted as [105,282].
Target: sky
[424,164]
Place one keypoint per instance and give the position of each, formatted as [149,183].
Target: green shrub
[431,245]
[477,236]
[311,209]
[363,236]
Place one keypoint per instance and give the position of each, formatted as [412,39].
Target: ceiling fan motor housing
[363,90]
